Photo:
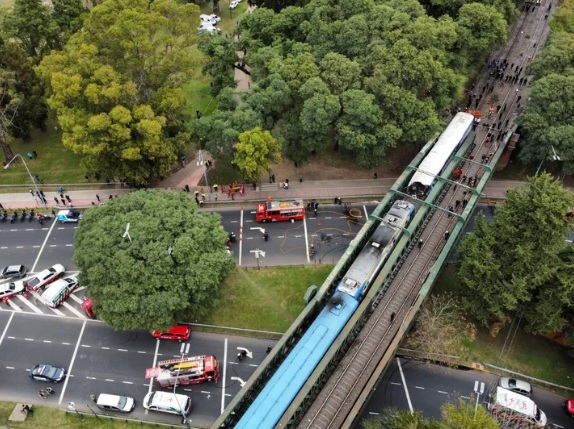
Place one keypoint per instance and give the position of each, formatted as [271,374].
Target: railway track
[333,407]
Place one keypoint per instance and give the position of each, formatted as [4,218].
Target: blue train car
[369,262]
[280,390]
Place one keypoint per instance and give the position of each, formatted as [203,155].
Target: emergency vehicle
[277,211]
[189,370]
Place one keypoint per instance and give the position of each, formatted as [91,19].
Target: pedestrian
[42,394]
[1,206]
[35,154]
[42,193]
[68,198]
[203,197]
[446,235]
[254,186]
[300,179]
[375,176]
[27,409]
[265,235]
[421,243]
[186,187]
[315,211]
[111,197]
[50,391]
[450,209]
[518,99]
[393,317]
[41,222]
[545,17]
[456,204]
[63,201]
[31,192]
[197,200]
[98,198]
[273,178]
[54,213]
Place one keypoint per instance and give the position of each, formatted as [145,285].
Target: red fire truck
[189,370]
[277,211]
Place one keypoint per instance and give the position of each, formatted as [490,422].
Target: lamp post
[42,200]
[478,390]
[555,157]
[184,349]
[199,164]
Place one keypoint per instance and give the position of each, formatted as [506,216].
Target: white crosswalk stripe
[73,310]
[76,298]
[14,305]
[29,304]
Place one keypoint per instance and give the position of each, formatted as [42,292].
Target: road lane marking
[29,304]
[71,366]
[76,298]
[419,387]
[141,351]
[40,254]
[56,311]
[14,306]
[396,384]
[405,385]
[122,350]
[73,310]
[240,235]
[87,346]
[28,339]
[224,376]
[110,380]
[47,341]
[444,393]
[6,328]
[105,348]
[306,241]
[127,382]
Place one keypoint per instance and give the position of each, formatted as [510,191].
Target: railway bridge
[335,392]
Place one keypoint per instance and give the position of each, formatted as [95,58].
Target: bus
[277,211]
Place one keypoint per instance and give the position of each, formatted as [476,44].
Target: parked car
[88,307]
[45,277]
[120,403]
[233,4]
[65,216]
[49,373]
[13,271]
[516,386]
[569,404]
[215,18]
[209,19]
[176,332]
[207,29]
[8,290]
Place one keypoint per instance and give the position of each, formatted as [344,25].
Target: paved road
[101,360]
[427,386]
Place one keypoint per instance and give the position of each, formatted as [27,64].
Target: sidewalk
[307,190]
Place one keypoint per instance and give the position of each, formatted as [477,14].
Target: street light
[555,157]
[199,164]
[42,200]
[184,349]
[72,407]
[478,390]
[127,233]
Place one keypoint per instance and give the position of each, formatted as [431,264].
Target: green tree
[507,268]
[116,87]
[556,58]
[399,419]
[481,29]
[22,96]
[68,16]
[547,128]
[465,415]
[31,23]
[255,151]
[170,266]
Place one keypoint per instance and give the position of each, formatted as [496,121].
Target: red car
[176,332]
[569,404]
[88,307]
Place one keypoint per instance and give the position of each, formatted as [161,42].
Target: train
[281,389]
[433,164]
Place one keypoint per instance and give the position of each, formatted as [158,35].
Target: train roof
[283,386]
[434,162]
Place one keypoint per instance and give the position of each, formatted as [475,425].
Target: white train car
[447,143]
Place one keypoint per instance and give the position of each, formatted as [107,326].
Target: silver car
[13,271]
[517,386]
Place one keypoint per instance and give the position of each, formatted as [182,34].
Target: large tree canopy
[116,87]
[364,76]
[171,264]
[518,264]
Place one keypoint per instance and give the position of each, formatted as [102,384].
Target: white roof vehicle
[233,4]
[10,289]
[205,28]
[513,406]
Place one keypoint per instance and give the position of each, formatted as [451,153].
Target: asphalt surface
[101,360]
[426,386]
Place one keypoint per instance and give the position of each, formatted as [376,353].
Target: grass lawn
[54,163]
[528,354]
[269,299]
[52,418]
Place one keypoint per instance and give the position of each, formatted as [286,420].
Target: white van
[123,404]
[167,402]
[58,291]
[513,406]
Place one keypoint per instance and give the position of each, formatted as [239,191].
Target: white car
[215,18]
[45,277]
[8,290]
[207,29]
[209,19]
[517,386]
[233,4]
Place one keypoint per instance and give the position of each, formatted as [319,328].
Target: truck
[189,370]
[511,406]
[277,211]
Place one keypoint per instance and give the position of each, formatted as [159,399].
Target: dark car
[176,332]
[13,271]
[48,373]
